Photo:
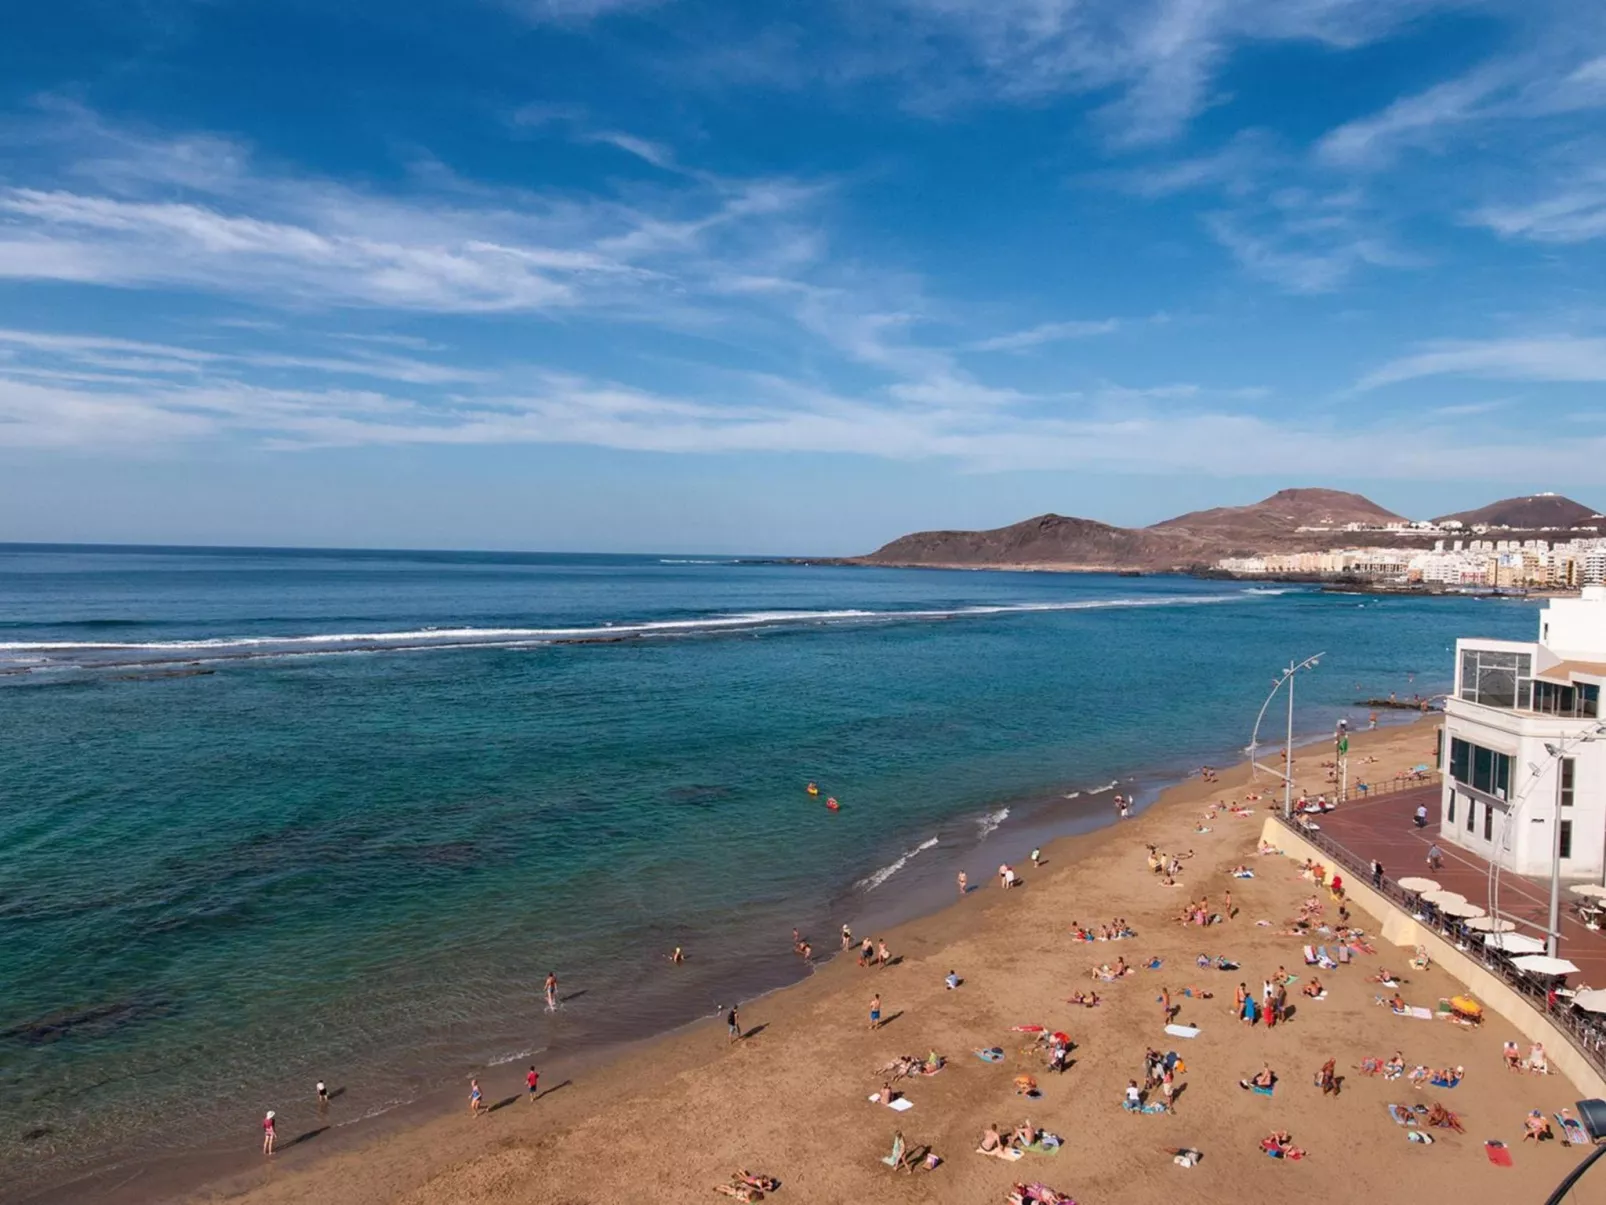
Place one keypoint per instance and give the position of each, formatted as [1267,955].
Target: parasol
[1514,943]
[1462,908]
[1441,898]
[1418,883]
[1589,890]
[1543,964]
[1490,924]
[1591,1000]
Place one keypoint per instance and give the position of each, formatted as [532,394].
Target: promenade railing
[1391,786]
[1586,1031]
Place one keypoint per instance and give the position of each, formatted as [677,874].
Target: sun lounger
[1310,956]
[1182,1031]
[896,1159]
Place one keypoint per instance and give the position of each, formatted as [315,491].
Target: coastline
[311,1142]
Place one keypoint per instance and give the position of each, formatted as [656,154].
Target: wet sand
[666,1120]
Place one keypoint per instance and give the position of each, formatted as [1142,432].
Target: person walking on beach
[883,955]
[270,1133]
[866,952]
[476,1098]
[1226,905]
[875,1011]
[847,939]
[551,988]
[1168,1089]
[323,1096]
[1037,858]
[734,1024]
[964,884]
[533,1078]
[1165,1004]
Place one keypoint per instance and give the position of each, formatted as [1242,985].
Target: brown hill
[1533,513]
[1045,540]
[1187,541]
[1278,516]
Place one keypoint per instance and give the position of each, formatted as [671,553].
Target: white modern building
[1525,742]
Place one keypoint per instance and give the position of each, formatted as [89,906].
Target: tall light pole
[1558,753]
[1287,771]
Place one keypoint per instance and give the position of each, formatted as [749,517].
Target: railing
[1585,1031]
[1391,786]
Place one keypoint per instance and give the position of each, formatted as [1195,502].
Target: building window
[1472,813]
[1488,823]
[1580,702]
[1482,769]
[1497,679]
[1566,838]
[1566,782]
[1450,816]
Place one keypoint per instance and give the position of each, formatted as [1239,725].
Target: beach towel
[994,1055]
[1009,1154]
[1241,874]
[1419,1136]
[1499,1153]
[1041,1148]
[1028,1029]
[1572,1131]
[1310,956]
[1259,1091]
[1444,1083]
[902,1105]
[1182,1031]
[894,1159]
[1419,1013]
[1402,1115]
[1153,964]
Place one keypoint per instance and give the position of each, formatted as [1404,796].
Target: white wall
[1575,628]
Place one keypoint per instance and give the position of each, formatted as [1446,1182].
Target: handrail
[1585,1032]
[1390,786]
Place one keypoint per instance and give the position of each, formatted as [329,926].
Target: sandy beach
[669,1119]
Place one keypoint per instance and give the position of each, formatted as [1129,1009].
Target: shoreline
[308,1143]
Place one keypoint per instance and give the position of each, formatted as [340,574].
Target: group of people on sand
[1272,1006]
[873,953]
[1116,930]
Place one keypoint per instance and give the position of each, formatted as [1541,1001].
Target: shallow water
[271,817]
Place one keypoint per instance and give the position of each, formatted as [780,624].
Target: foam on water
[872,881]
[989,823]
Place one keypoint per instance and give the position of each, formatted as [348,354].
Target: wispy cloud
[1047,332]
[1551,358]
[1414,120]
[1574,212]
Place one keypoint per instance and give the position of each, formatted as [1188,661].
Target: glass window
[1488,823]
[1472,813]
[1566,838]
[1566,782]
[1460,760]
[1483,768]
[1450,815]
[1589,701]
[1497,679]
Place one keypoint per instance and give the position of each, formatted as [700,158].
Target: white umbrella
[1591,1000]
[1441,898]
[1513,943]
[1417,883]
[1543,964]
[1490,924]
[1463,908]
[1589,890]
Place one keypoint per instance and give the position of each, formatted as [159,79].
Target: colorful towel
[1572,1130]
[995,1055]
[1419,1136]
[1402,1116]
[1499,1153]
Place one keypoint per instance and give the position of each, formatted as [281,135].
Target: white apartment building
[1525,742]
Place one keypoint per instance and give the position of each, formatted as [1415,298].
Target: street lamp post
[1287,771]
[1558,753]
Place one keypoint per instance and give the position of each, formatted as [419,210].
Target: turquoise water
[271,817]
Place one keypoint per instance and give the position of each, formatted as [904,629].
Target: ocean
[275,816]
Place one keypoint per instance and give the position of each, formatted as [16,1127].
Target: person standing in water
[323,1096]
[677,957]
[269,1133]
[964,884]
[551,988]
[847,939]
[1037,857]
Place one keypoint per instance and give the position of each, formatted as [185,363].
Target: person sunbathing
[1513,1057]
[1536,1128]
[1313,989]
[1121,968]
[1085,999]
[1279,1144]
[992,1143]
[753,1180]
[742,1192]
[1383,976]
[1025,1134]
[1395,1067]
[1537,1063]
[1263,1079]
[1398,1004]
[1441,1117]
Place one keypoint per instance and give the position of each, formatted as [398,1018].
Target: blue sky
[788,277]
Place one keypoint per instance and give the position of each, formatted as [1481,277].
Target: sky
[714,275]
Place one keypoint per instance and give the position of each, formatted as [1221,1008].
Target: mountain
[1278,516]
[1191,540]
[1533,513]
[1046,540]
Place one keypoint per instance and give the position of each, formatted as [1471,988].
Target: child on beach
[532,1078]
[476,1099]
[270,1133]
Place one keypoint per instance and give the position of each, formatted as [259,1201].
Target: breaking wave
[871,882]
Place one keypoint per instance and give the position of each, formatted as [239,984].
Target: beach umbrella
[1441,898]
[1465,908]
[1513,943]
[1490,924]
[1418,883]
[1543,964]
[1591,1000]
[1589,890]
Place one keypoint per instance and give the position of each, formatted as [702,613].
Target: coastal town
[1481,560]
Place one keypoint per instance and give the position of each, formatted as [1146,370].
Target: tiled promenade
[1382,828]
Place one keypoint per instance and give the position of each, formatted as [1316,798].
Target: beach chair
[1572,1130]
[1310,956]
[899,1159]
